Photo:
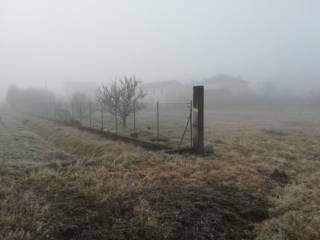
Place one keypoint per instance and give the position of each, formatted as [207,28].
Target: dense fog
[68,46]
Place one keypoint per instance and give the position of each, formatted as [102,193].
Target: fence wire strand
[168,123]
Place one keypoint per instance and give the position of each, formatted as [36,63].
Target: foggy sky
[44,42]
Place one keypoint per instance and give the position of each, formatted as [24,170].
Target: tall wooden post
[191,124]
[158,124]
[198,119]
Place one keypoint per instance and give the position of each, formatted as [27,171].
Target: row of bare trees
[120,99]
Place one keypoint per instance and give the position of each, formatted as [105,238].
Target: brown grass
[106,170]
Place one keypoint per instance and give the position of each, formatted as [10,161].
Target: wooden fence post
[191,124]
[158,124]
[198,119]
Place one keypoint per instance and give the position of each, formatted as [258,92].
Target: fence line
[169,123]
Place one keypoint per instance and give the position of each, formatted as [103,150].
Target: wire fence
[166,123]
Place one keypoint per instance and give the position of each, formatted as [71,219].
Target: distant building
[226,83]
[165,91]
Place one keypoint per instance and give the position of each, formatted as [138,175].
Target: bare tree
[100,102]
[109,98]
[130,95]
[122,98]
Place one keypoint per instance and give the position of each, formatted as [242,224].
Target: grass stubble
[60,183]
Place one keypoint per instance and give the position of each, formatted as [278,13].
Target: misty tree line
[120,99]
[124,96]
[31,100]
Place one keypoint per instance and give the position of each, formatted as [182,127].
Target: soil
[280,177]
[215,212]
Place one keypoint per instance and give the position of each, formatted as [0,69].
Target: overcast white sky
[96,40]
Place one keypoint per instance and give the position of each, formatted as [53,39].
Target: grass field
[57,182]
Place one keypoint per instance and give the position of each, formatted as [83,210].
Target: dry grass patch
[117,188]
[24,214]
